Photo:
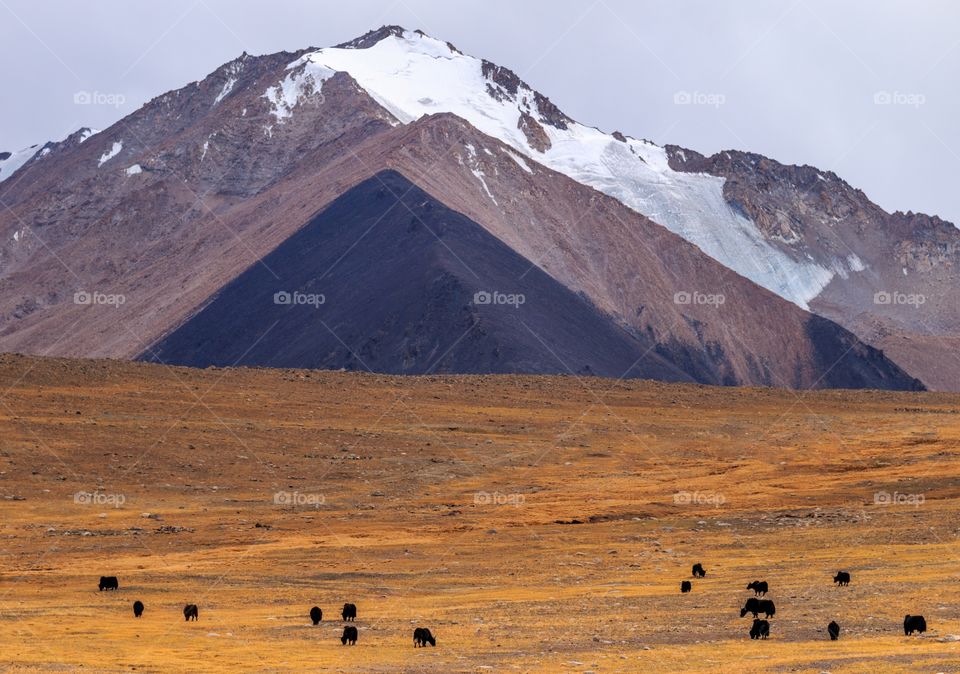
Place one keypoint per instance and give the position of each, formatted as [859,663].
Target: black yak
[698,571]
[842,578]
[191,612]
[685,586]
[422,637]
[760,629]
[316,615]
[137,609]
[349,612]
[349,635]
[914,623]
[759,587]
[833,629]
[757,606]
[109,583]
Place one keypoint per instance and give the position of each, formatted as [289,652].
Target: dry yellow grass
[448,502]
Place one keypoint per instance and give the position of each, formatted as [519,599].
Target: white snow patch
[233,70]
[87,133]
[16,159]
[415,75]
[227,88]
[519,159]
[19,234]
[206,146]
[133,170]
[474,167]
[855,263]
[111,153]
[303,83]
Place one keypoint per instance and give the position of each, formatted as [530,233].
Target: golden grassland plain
[532,523]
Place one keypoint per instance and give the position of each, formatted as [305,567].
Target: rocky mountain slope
[432,302]
[189,196]
[896,276]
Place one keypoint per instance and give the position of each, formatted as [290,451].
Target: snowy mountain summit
[635,259]
[412,74]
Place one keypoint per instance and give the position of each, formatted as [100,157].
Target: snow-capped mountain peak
[412,74]
[11,161]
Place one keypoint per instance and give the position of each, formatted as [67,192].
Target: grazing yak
[685,586]
[422,637]
[833,629]
[109,583]
[316,615]
[349,636]
[757,606]
[842,578]
[137,609]
[349,612]
[191,612]
[914,623]
[760,629]
[759,587]
[698,571]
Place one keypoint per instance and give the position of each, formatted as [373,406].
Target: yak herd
[421,635]
[761,627]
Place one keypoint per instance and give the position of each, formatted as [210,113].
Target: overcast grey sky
[797,80]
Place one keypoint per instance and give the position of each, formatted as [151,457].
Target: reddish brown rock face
[535,134]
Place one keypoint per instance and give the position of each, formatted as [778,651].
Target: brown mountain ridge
[175,205]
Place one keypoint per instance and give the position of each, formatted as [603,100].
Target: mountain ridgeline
[392,204]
